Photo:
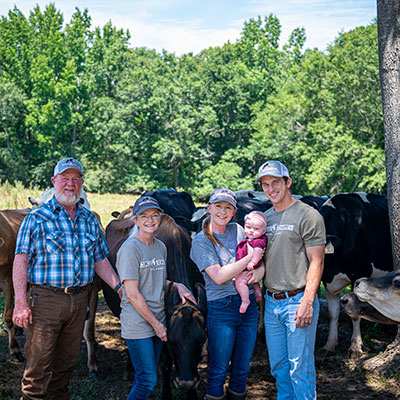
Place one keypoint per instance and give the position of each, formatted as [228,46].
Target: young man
[294,263]
[59,248]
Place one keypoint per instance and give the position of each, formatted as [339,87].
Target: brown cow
[10,221]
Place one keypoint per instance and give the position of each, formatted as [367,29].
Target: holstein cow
[178,205]
[186,322]
[357,228]
[10,221]
[383,293]
[89,329]
[314,201]
[354,307]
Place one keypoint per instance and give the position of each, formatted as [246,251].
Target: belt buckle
[66,289]
[273,295]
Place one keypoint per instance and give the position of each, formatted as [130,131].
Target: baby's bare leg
[257,291]
[243,290]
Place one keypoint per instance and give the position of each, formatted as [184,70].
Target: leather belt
[284,295]
[66,290]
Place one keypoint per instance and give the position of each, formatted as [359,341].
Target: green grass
[346,290]
[16,196]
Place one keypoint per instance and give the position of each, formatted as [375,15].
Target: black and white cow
[383,293]
[357,227]
[178,205]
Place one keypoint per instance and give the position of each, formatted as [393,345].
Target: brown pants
[52,342]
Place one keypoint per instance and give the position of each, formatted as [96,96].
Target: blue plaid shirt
[61,252]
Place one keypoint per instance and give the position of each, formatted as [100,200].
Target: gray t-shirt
[204,254]
[289,233]
[147,264]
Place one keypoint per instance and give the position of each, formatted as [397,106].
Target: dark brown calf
[186,337]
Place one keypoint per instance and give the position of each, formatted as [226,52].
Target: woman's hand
[257,274]
[184,293]
[160,330]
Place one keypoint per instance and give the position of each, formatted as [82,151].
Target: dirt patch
[339,376]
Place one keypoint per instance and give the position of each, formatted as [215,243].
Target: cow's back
[10,221]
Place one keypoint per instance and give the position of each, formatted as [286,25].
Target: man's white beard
[67,199]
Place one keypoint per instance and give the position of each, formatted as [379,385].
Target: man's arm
[304,313]
[106,272]
[22,315]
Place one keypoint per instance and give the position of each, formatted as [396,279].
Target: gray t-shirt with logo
[147,264]
[289,233]
[204,254]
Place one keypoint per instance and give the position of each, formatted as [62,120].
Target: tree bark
[388,363]
[389,71]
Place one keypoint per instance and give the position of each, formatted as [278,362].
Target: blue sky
[181,26]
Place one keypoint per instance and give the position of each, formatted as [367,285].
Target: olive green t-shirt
[289,232]
[147,264]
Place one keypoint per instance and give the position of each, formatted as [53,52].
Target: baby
[255,225]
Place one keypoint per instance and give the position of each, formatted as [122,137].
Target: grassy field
[16,196]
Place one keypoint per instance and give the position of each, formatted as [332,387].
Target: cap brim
[274,175]
[219,200]
[66,169]
[147,207]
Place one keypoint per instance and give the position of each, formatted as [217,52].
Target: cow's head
[186,335]
[382,292]
[355,308]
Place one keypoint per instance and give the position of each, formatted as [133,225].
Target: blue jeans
[291,349]
[231,340]
[145,354]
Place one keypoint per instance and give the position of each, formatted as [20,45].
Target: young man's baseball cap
[273,168]
[68,163]
[144,203]
[223,195]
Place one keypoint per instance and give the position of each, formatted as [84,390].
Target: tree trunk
[388,363]
[389,70]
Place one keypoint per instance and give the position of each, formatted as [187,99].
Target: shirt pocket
[90,243]
[55,242]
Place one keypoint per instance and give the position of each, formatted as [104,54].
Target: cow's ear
[201,297]
[176,299]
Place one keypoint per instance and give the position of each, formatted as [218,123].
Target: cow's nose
[186,384]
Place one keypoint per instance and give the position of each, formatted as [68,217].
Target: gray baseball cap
[223,195]
[68,163]
[273,168]
[144,203]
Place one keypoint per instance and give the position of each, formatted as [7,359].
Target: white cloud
[322,19]
[173,36]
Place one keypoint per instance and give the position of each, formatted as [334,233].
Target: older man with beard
[59,248]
